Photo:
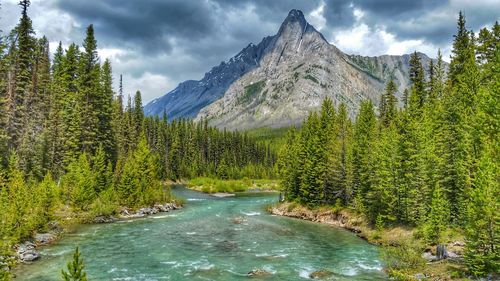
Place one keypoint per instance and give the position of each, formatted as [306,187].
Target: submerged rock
[238,220]
[320,274]
[258,272]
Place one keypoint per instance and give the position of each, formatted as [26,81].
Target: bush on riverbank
[212,185]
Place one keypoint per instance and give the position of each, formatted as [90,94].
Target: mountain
[279,81]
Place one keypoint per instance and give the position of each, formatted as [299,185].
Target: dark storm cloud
[148,26]
[430,20]
[182,39]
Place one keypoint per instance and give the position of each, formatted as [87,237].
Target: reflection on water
[211,239]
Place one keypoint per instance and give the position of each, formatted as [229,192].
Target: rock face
[191,96]
[279,81]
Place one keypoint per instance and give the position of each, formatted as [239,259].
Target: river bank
[27,252]
[407,256]
[212,239]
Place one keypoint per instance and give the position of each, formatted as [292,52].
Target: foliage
[252,90]
[432,164]
[75,269]
[70,147]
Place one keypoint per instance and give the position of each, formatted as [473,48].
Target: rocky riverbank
[435,258]
[26,252]
[325,216]
[127,213]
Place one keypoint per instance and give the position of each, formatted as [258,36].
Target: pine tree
[118,121]
[381,200]
[75,269]
[20,78]
[71,104]
[388,104]
[79,183]
[340,159]
[482,232]
[19,202]
[289,165]
[106,135]
[418,93]
[438,216]
[45,195]
[363,138]
[312,162]
[457,141]
[460,44]
[101,170]
[88,93]
[138,116]
[54,125]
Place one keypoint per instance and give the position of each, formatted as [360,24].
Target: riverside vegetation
[71,148]
[429,169]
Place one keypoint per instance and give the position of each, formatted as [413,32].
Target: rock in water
[258,273]
[320,274]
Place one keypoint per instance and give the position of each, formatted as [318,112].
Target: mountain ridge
[280,80]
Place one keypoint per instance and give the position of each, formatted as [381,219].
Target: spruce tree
[438,216]
[363,140]
[482,231]
[106,135]
[388,103]
[22,72]
[75,269]
[88,93]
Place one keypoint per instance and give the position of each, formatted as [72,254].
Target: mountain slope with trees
[69,143]
[432,165]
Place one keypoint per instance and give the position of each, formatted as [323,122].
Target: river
[211,239]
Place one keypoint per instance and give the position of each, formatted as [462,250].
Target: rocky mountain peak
[295,24]
[281,79]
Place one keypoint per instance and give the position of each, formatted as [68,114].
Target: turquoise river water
[211,239]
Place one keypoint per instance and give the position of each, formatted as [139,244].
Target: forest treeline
[433,163]
[67,139]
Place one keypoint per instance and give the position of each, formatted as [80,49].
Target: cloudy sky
[156,44]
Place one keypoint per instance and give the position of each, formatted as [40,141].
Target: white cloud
[151,85]
[368,40]
[316,17]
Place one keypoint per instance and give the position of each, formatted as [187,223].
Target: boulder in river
[320,274]
[258,273]
[26,252]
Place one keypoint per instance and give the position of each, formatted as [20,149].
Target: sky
[157,44]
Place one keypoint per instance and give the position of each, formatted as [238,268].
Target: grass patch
[211,185]
[252,90]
